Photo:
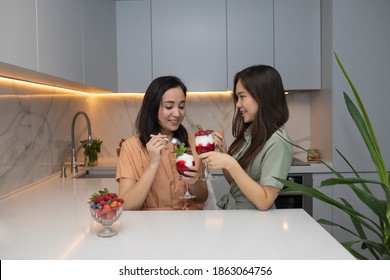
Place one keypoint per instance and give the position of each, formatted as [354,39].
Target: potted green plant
[364,226]
[92,150]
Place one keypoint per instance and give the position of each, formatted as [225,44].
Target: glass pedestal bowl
[106,217]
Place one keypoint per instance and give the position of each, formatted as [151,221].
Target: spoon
[174,140]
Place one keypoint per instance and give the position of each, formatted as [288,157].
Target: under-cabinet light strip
[4,80]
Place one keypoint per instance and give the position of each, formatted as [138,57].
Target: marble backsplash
[35,125]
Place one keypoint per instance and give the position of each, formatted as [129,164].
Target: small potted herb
[91,150]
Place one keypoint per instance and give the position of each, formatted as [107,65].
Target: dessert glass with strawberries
[105,208]
[184,162]
[204,143]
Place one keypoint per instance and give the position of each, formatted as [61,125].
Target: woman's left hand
[191,176]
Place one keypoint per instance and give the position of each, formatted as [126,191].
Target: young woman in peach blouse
[146,171]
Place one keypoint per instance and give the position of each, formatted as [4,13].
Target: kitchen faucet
[73,162]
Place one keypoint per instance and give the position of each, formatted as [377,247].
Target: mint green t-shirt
[274,160]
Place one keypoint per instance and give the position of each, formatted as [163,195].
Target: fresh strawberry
[185,162]
[104,197]
[204,140]
[201,131]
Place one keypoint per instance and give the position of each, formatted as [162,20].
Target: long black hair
[147,122]
[265,85]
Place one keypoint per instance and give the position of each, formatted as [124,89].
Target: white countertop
[311,168]
[110,164]
[51,220]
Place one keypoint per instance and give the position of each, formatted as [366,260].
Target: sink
[96,174]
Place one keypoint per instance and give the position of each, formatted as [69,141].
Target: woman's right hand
[219,141]
[155,145]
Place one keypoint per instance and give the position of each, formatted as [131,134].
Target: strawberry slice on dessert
[184,159]
[204,140]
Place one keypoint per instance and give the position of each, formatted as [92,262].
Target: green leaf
[367,137]
[104,191]
[337,181]
[100,192]
[348,245]
[199,126]
[91,149]
[354,171]
[313,192]
[360,230]
[333,224]
[181,149]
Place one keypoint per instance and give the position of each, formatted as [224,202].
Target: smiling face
[246,104]
[172,110]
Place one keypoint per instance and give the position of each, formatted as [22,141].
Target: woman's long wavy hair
[147,122]
[265,85]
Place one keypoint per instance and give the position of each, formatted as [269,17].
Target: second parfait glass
[204,143]
[184,162]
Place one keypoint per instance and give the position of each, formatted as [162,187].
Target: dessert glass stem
[187,194]
[208,176]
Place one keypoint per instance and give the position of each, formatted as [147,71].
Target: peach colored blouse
[167,186]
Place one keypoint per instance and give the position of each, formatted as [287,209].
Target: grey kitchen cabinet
[361,39]
[322,210]
[134,45]
[189,40]
[281,33]
[297,31]
[206,42]
[249,35]
[73,40]
[18,33]
[60,38]
[99,47]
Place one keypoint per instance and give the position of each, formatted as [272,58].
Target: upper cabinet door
[249,35]
[18,33]
[99,48]
[189,40]
[134,45]
[297,43]
[60,38]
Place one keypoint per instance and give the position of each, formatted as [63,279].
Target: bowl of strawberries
[105,208]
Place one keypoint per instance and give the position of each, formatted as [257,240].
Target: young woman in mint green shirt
[259,153]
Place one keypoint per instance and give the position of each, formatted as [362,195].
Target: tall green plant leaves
[380,226]
[367,137]
[364,125]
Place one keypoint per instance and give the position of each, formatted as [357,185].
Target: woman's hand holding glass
[218,160]
[191,177]
[219,141]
